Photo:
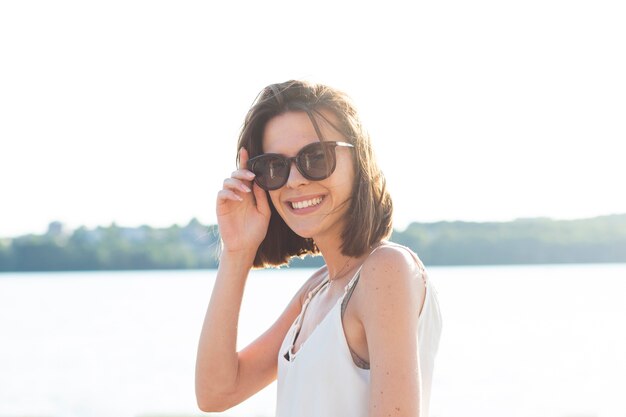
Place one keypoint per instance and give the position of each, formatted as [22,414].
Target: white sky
[128,111]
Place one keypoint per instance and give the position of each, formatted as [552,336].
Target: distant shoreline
[535,241]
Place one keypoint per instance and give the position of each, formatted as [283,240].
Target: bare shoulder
[392,274]
[392,264]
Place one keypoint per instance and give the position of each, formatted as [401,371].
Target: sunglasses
[315,162]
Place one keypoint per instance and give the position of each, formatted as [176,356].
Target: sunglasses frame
[289,160]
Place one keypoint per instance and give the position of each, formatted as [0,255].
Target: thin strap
[349,291]
[355,278]
[358,361]
[305,305]
[298,323]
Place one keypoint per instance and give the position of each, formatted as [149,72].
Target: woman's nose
[295,178]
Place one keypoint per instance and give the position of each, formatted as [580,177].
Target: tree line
[196,246]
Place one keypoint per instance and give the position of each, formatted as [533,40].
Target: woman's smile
[305,205]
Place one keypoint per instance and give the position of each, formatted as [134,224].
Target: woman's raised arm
[225,377]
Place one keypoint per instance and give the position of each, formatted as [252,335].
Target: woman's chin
[303,233]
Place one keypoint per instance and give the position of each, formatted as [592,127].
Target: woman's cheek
[276,202]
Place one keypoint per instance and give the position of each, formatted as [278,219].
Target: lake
[531,341]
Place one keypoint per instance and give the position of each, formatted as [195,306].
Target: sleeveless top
[322,379]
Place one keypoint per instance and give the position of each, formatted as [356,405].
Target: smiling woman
[308,183]
[310,208]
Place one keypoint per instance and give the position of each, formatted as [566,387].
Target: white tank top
[322,380]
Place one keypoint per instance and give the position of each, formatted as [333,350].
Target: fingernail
[250,174]
[244,188]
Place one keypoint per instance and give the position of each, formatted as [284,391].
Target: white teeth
[306,203]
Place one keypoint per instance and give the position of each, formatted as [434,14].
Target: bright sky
[128,111]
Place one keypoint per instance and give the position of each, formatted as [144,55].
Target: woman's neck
[338,264]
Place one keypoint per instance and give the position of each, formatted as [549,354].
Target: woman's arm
[392,294]
[217,362]
[225,377]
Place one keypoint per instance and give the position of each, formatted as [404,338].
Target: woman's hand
[243,212]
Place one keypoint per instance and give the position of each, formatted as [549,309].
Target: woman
[308,183]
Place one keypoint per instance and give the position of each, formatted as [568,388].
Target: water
[532,341]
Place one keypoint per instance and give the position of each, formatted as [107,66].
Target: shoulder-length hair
[369,217]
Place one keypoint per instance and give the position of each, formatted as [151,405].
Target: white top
[321,378]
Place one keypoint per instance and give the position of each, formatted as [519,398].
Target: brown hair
[369,219]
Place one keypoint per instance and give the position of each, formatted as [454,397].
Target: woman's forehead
[288,132]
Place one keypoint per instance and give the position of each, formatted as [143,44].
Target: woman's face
[312,209]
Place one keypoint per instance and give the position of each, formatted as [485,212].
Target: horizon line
[72,229]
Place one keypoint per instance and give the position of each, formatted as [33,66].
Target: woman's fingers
[243,174]
[243,158]
[241,181]
[228,195]
[260,195]
[235,184]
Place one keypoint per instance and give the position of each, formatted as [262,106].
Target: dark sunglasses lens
[271,172]
[317,161]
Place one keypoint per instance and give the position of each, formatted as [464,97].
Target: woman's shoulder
[392,256]
[390,273]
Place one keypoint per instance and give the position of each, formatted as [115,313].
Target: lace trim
[298,324]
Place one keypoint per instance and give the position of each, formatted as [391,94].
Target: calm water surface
[532,341]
